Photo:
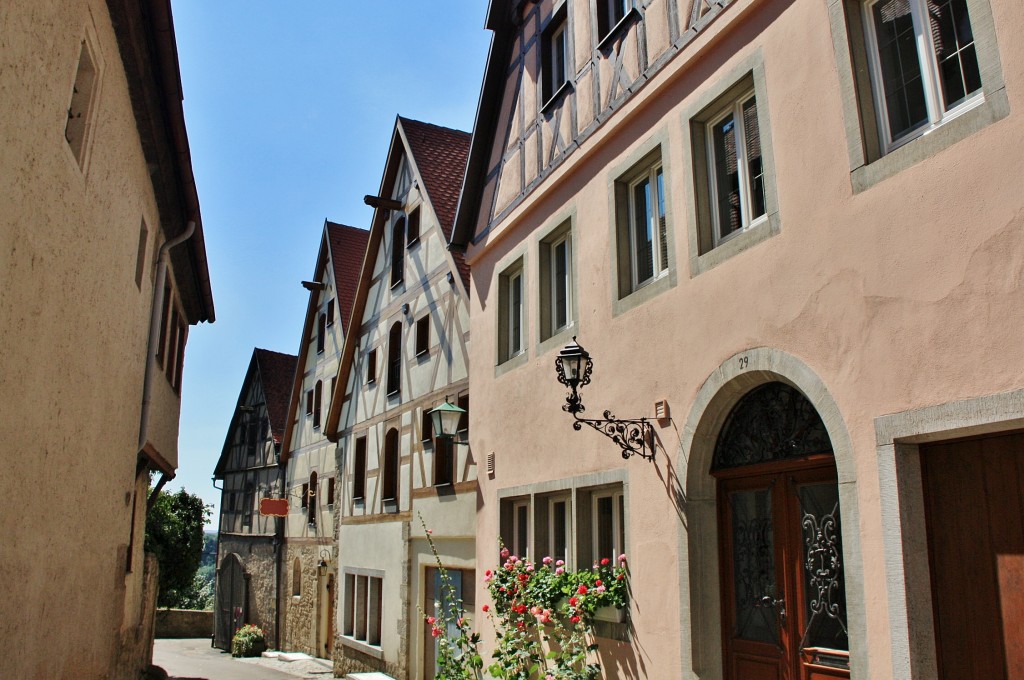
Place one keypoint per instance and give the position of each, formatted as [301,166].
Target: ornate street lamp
[634,436]
[445,420]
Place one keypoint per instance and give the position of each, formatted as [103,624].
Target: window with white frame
[520,529]
[512,313]
[642,228]
[361,608]
[735,167]
[555,54]
[559,527]
[924,65]
[607,520]
[556,274]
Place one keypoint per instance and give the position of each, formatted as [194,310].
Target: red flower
[619,577]
[582,590]
[486,607]
[573,601]
[431,620]
[435,631]
[597,582]
[574,619]
[605,561]
[524,577]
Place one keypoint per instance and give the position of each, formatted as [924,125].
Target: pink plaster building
[789,233]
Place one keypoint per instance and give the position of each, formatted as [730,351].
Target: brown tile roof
[440,154]
[277,371]
[348,246]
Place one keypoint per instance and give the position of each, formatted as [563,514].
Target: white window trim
[516,506]
[567,499]
[553,273]
[514,277]
[735,109]
[929,77]
[660,268]
[559,72]
[616,496]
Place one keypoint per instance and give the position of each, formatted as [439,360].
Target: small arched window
[321,333]
[296,578]
[389,491]
[395,359]
[398,252]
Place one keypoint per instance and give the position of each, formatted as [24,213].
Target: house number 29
[743,362]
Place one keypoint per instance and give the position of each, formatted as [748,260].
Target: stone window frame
[372,581]
[83,99]
[704,253]
[898,438]
[513,264]
[625,296]
[869,165]
[562,225]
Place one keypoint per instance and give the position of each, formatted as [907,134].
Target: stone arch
[700,590]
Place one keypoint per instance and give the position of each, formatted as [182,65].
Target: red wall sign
[274,507]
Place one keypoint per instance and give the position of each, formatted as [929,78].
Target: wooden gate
[231,606]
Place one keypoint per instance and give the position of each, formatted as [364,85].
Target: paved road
[195,660]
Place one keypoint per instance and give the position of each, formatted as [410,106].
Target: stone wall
[256,554]
[183,623]
[302,610]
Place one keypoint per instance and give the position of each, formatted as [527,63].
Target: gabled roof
[440,155]
[437,156]
[347,246]
[274,371]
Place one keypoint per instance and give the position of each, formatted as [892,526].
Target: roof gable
[347,247]
[276,372]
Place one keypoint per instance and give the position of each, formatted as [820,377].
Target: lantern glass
[572,360]
[445,419]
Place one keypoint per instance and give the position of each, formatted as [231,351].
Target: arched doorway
[783,596]
[231,604]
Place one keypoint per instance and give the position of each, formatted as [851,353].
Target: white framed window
[362,606]
[608,524]
[515,313]
[924,66]
[555,54]
[561,283]
[648,235]
[559,527]
[511,312]
[521,529]
[735,168]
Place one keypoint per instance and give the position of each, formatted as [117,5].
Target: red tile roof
[440,154]
[277,371]
[348,246]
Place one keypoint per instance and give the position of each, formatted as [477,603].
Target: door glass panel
[754,566]
[824,582]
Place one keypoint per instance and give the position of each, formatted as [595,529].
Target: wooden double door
[783,585]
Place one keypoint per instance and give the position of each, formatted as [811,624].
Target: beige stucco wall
[74,331]
[900,295]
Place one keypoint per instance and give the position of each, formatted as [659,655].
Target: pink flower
[605,561]
[431,620]
[560,563]
[529,567]
[600,589]
[546,560]
[435,631]
[560,571]
[504,553]
[622,558]
[430,532]
[582,590]
[460,623]
[487,578]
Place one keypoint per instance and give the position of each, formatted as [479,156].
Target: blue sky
[290,109]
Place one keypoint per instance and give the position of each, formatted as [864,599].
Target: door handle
[779,605]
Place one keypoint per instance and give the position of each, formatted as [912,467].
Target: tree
[174,533]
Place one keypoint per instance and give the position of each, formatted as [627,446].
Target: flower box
[610,613]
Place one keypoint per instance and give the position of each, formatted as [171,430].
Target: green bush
[250,640]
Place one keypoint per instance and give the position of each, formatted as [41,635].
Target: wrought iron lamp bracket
[634,436]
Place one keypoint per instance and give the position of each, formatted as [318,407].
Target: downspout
[278,546]
[154,329]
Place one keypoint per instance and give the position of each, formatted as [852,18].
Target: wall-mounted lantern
[634,436]
[445,420]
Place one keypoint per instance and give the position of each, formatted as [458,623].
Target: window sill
[644,293]
[511,363]
[423,354]
[556,97]
[396,284]
[413,242]
[364,647]
[734,245]
[618,28]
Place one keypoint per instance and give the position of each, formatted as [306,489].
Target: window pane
[642,240]
[727,179]
[522,529]
[516,314]
[824,580]
[954,50]
[753,557]
[560,271]
[605,529]
[558,539]
[755,166]
[901,69]
[662,231]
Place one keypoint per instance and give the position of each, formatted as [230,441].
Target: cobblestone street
[195,659]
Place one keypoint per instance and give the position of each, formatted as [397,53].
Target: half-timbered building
[308,597]
[788,233]
[249,468]
[405,354]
